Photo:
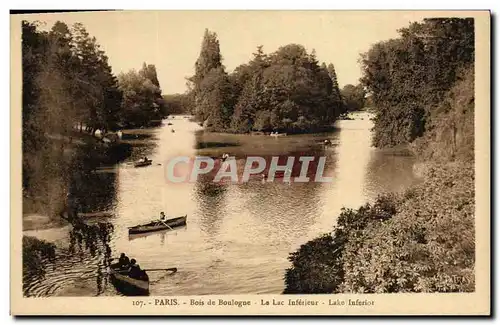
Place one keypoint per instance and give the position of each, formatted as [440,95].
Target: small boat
[142,163]
[158,225]
[276,134]
[126,284]
[173,131]
[104,214]
[169,123]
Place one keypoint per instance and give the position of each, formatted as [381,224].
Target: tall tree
[211,85]
[100,97]
[251,98]
[148,71]
[337,97]
[208,60]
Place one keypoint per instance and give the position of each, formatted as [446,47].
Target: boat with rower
[132,286]
[157,225]
[127,285]
[143,163]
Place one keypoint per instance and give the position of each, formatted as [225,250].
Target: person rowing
[163,220]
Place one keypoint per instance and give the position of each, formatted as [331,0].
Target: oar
[166,225]
[173,269]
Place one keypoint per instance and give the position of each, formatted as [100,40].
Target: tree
[213,94]
[353,97]
[34,46]
[208,62]
[421,240]
[335,84]
[97,93]
[288,83]
[177,104]
[139,105]
[149,72]
[409,76]
[251,98]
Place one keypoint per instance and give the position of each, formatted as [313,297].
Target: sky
[171,40]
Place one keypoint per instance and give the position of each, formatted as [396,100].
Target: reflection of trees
[210,196]
[87,192]
[287,209]
[388,172]
[93,192]
[93,239]
[36,254]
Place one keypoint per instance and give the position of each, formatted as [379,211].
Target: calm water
[238,236]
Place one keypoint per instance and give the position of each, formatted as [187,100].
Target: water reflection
[211,197]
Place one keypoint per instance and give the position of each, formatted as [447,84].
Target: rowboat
[142,163]
[158,225]
[126,284]
[278,134]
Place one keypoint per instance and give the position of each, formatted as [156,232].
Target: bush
[419,241]
[427,246]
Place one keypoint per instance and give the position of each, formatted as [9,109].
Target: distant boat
[173,131]
[143,163]
[169,123]
[157,225]
[276,134]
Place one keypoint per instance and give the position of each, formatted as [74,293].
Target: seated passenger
[135,270]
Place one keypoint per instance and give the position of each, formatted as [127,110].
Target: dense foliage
[419,241]
[178,103]
[422,240]
[450,134]
[142,100]
[287,90]
[353,97]
[318,266]
[70,92]
[427,246]
[409,77]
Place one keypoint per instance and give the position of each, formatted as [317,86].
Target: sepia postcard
[250,163]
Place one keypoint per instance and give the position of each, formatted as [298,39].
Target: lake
[238,236]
